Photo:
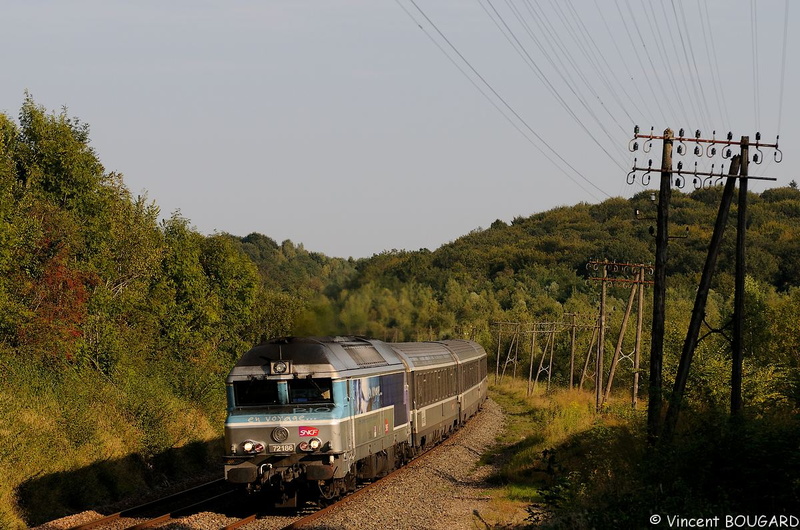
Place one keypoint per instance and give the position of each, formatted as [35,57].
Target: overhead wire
[704,103]
[698,82]
[627,70]
[783,64]
[754,41]
[719,86]
[683,66]
[662,48]
[655,73]
[506,105]
[572,53]
[639,60]
[596,56]
[528,60]
[460,69]
[583,40]
[578,35]
[694,79]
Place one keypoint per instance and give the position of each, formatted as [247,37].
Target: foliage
[587,470]
[115,331]
[100,298]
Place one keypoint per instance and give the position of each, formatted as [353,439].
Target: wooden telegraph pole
[598,377]
[737,345]
[736,173]
[699,311]
[659,291]
[637,347]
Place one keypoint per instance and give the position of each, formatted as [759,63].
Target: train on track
[310,417]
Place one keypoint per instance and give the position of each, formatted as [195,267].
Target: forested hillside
[117,329]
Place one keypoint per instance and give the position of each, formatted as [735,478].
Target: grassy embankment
[72,439]
[568,467]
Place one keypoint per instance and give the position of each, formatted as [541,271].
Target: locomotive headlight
[252,447]
[279,367]
[315,444]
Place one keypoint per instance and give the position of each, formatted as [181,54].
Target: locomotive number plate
[281,448]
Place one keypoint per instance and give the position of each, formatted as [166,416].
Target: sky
[360,126]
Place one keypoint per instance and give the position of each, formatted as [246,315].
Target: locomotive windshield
[256,393]
[266,392]
[310,391]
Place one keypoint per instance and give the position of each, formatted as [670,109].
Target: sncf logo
[308,431]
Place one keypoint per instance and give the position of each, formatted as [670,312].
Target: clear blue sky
[341,125]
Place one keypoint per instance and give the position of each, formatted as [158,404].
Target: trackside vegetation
[118,325]
[570,468]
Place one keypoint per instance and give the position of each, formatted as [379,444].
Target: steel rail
[174,514]
[129,511]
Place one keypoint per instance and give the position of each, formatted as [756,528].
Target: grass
[559,464]
[568,467]
[531,453]
[71,440]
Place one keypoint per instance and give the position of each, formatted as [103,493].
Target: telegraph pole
[654,407]
[598,377]
[638,346]
[638,284]
[737,345]
[572,350]
[659,291]
[698,313]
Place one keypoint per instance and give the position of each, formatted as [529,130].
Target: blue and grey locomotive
[311,416]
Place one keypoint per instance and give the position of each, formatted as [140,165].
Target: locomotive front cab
[313,414]
[283,430]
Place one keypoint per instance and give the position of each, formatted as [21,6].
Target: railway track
[207,507]
[362,490]
[169,507]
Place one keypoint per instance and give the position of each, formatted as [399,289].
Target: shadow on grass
[607,476]
[104,485]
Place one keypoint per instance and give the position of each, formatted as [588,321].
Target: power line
[595,54]
[507,106]
[638,58]
[655,28]
[664,93]
[693,81]
[754,41]
[783,64]
[719,86]
[685,75]
[705,104]
[543,78]
[625,63]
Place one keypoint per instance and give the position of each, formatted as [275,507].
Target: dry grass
[538,444]
[69,428]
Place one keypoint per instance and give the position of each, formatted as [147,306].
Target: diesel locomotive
[309,417]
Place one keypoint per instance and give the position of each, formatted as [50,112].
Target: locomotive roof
[322,354]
